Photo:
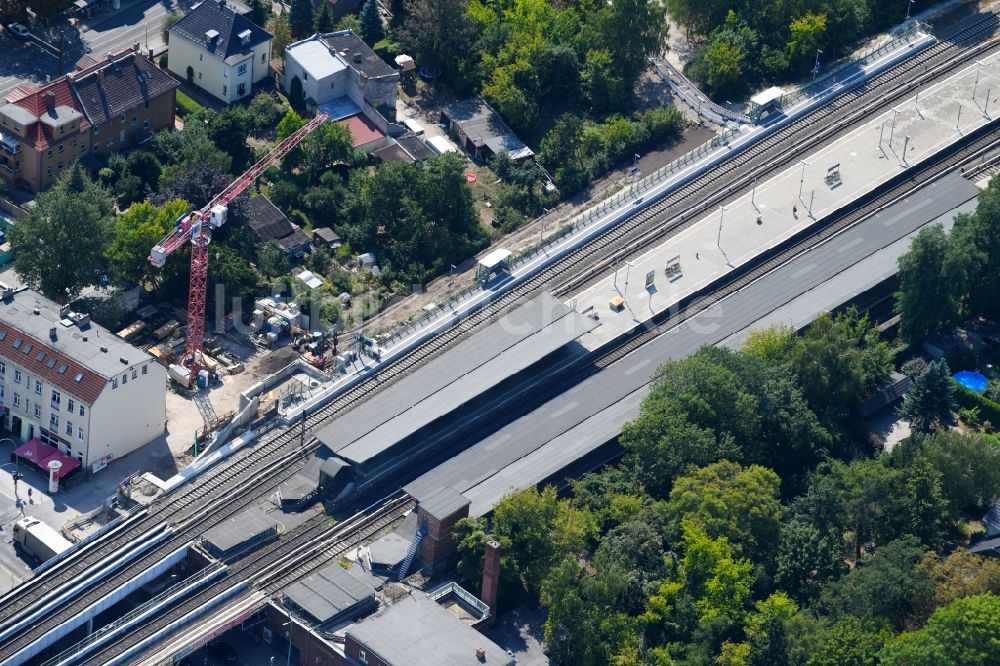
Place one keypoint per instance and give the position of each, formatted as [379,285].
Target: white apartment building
[219,50]
[73,384]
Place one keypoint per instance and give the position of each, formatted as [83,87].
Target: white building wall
[128,416]
[211,73]
[28,398]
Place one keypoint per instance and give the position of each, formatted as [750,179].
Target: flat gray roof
[329,593]
[416,631]
[442,502]
[239,529]
[540,444]
[471,367]
[389,550]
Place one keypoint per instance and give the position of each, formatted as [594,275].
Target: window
[56,398]
[145,104]
[241,89]
[38,409]
[62,129]
[224,90]
[97,130]
[114,383]
[145,124]
[111,142]
[17,399]
[145,370]
[124,378]
[263,57]
[49,152]
[122,119]
[242,69]
[201,57]
[79,433]
[199,76]
[53,422]
[38,387]
[59,167]
[17,376]
[362,657]
[135,373]
[135,121]
[2,393]
[81,409]
[3,368]
[70,406]
[83,146]
[69,428]
[49,171]
[61,146]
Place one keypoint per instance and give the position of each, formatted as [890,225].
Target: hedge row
[969,399]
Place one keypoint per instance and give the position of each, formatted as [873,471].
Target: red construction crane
[193,227]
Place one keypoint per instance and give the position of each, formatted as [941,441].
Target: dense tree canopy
[59,248]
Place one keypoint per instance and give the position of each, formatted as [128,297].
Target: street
[140,21]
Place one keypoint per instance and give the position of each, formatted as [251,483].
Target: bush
[915,366]
[163,60]
[663,123]
[969,399]
[962,358]
[186,105]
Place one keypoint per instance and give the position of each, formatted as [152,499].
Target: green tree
[961,574]
[963,633]
[974,245]
[969,466]
[136,231]
[280,28]
[229,131]
[260,11]
[807,36]
[766,630]
[324,21]
[289,124]
[807,559]
[930,285]
[886,585]
[371,22]
[633,30]
[930,401]
[438,33]
[851,641]
[739,504]
[327,145]
[603,84]
[266,110]
[170,21]
[300,18]
[560,152]
[59,248]
[272,260]
[773,346]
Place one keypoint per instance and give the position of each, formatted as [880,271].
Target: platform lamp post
[753,196]
[802,176]
[892,127]
[909,6]
[628,267]
[722,216]
[975,86]
[815,69]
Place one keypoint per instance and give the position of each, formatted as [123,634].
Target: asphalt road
[140,21]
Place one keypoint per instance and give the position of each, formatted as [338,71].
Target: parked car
[222,651]
[18,30]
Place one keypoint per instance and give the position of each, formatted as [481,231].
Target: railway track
[276,570]
[275,456]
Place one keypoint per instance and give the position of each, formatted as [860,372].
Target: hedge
[969,399]
[185,104]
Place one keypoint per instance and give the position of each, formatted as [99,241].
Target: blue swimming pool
[972,380]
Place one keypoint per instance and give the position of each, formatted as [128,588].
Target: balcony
[10,144]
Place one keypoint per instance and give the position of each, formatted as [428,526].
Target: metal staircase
[404,566]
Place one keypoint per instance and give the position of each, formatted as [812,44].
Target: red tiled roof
[33,100]
[362,130]
[87,389]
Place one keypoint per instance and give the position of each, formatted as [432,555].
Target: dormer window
[210,37]
[244,37]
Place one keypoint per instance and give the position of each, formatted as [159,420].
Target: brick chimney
[491,579]
[50,100]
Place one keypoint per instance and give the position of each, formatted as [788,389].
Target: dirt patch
[271,361]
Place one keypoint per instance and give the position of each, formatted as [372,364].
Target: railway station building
[74,385]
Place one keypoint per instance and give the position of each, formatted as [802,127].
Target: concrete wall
[129,416]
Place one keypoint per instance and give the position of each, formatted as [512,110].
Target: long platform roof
[473,366]
[545,441]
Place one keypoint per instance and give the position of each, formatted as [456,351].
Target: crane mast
[197,226]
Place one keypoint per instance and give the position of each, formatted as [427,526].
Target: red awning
[40,454]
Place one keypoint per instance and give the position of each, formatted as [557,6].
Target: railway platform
[791,201]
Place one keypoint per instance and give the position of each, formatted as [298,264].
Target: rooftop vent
[123,360]
[37,311]
[64,311]
[357,56]
[104,349]
[52,332]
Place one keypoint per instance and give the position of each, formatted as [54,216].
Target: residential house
[106,106]
[343,77]
[126,98]
[75,385]
[219,50]
[268,223]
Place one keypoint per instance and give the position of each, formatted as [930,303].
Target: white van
[413,126]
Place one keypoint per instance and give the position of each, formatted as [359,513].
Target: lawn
[186,105]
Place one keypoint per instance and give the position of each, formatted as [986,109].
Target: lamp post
[909,5]
[975,86]
[722,216]
[628,267]
[802,176]
[815,69]
[892,128]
